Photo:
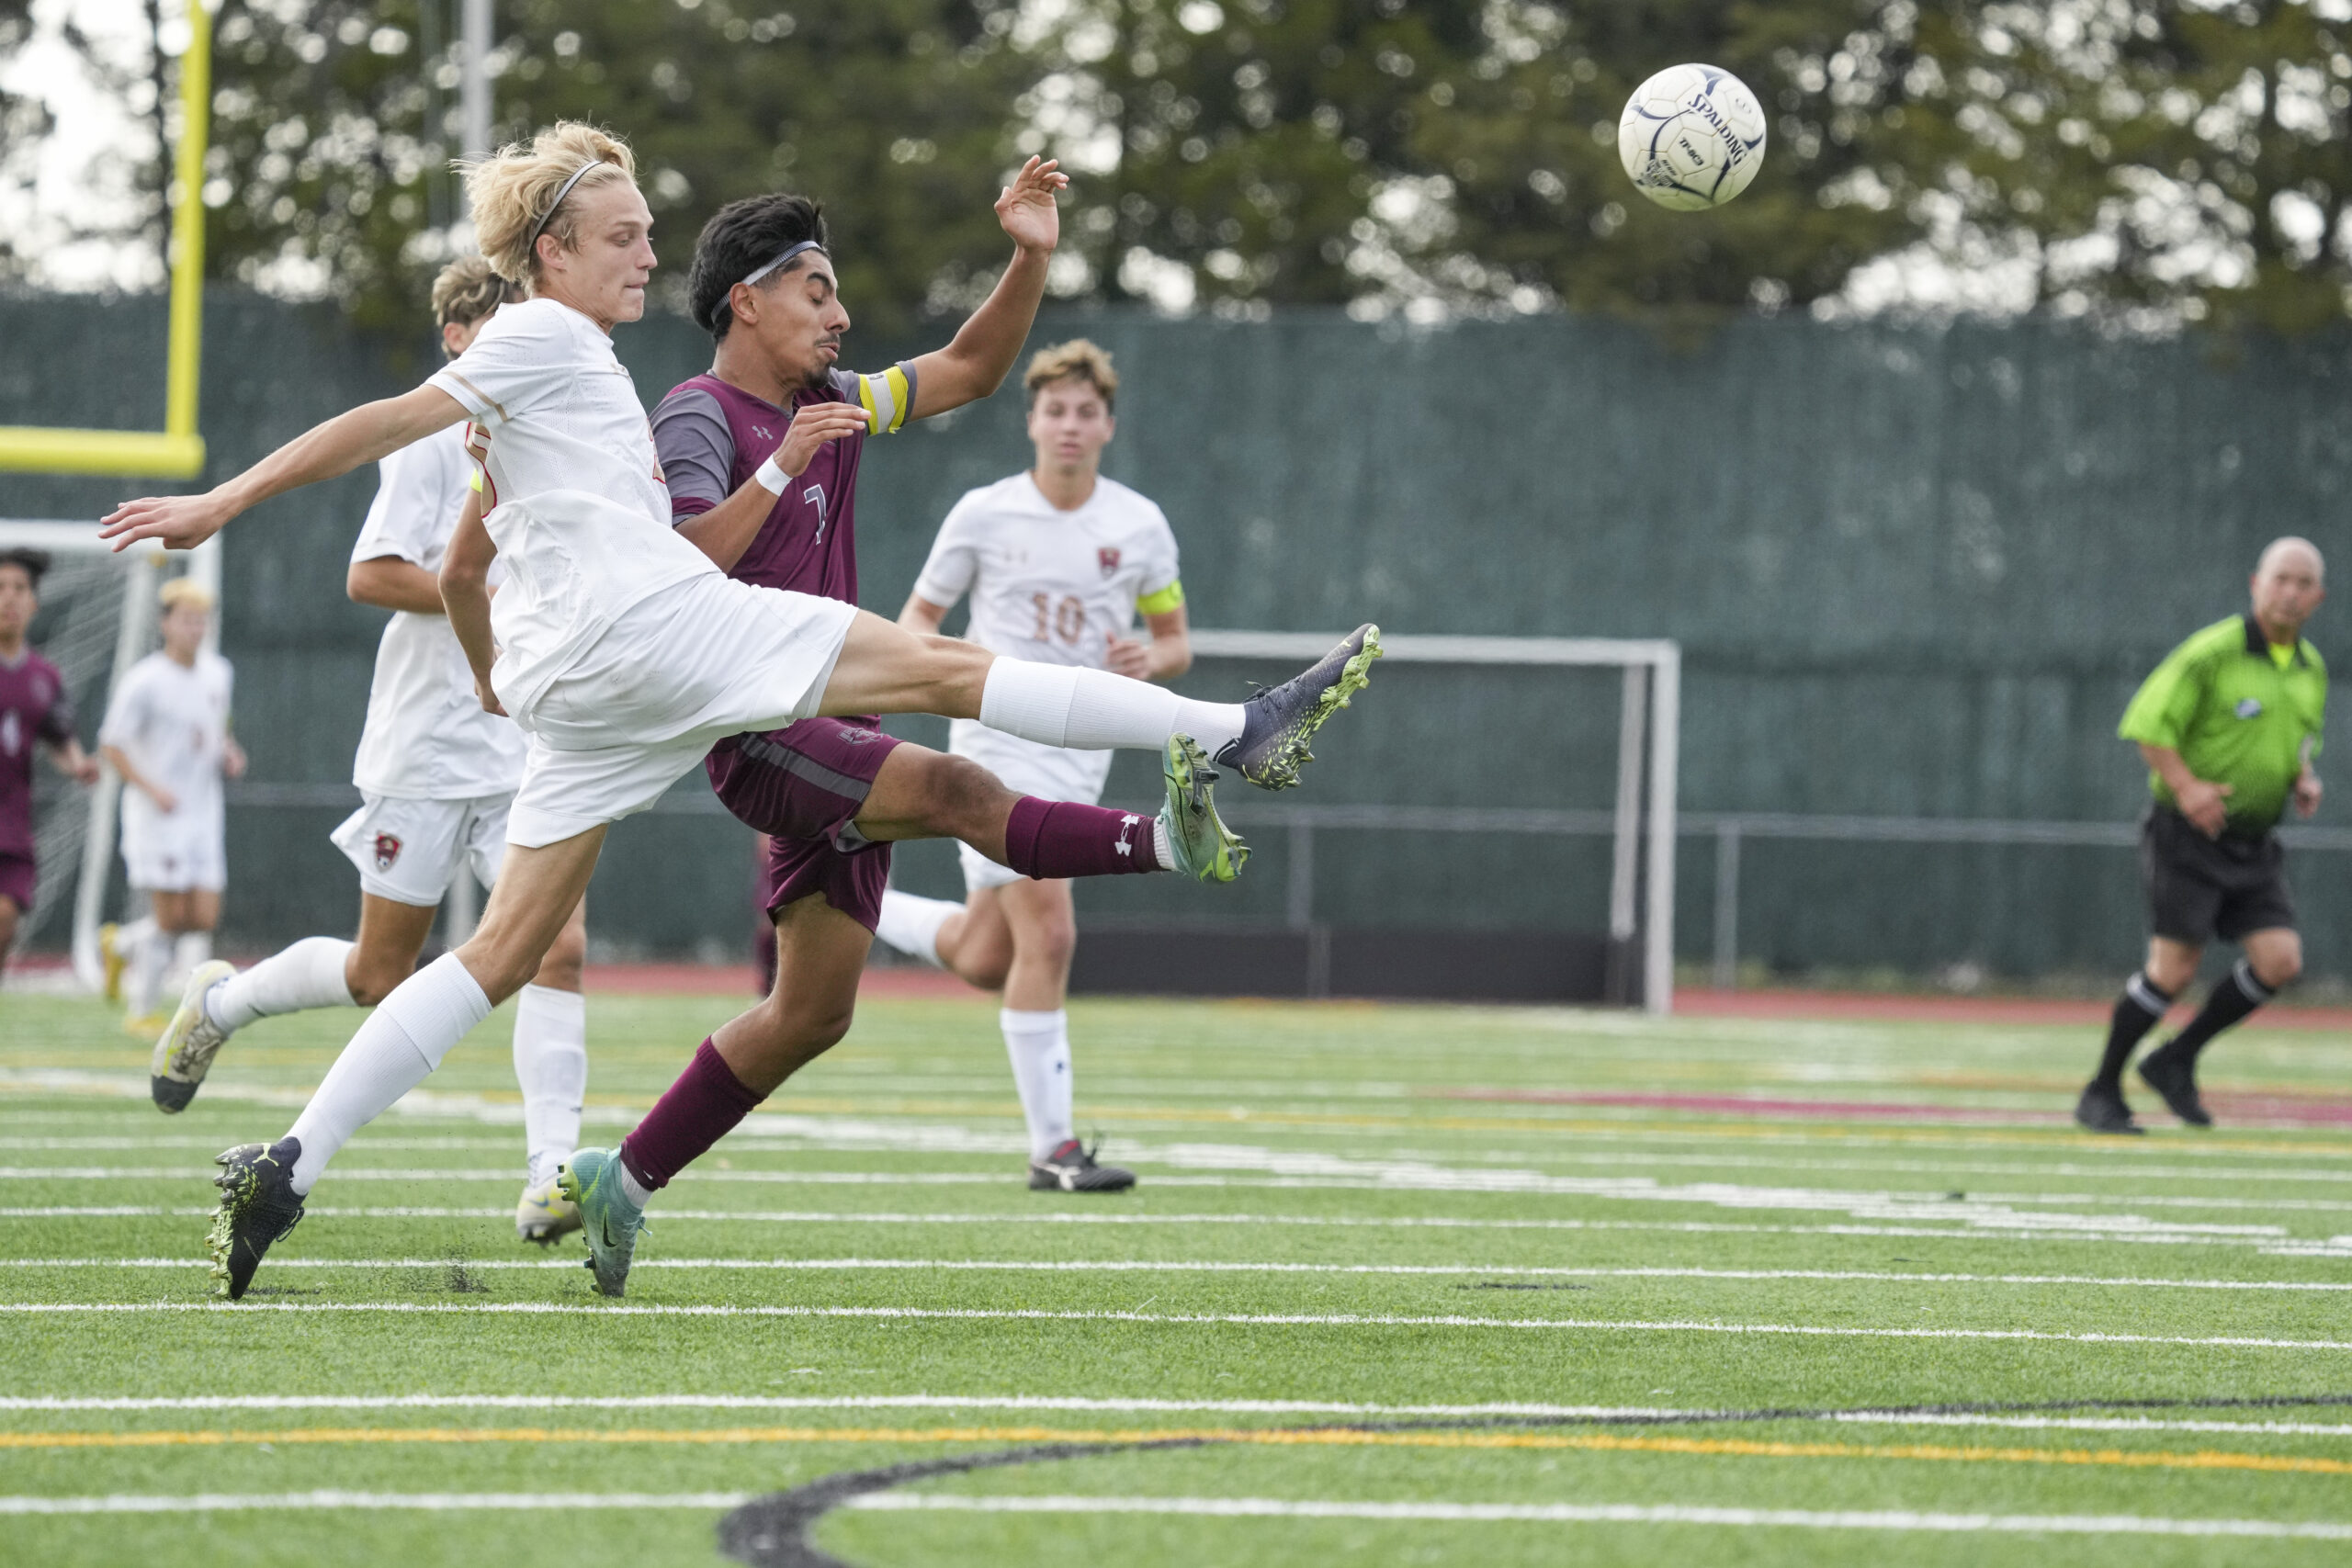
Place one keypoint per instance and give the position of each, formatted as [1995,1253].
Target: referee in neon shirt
[2228,724]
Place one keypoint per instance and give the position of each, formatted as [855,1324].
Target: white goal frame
[1649,721]
[140,574]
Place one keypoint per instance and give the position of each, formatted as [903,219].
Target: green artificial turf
[1448,1233]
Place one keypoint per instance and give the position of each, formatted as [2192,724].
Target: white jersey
[427,736]
[577,505]
[1047,585]
[171,720]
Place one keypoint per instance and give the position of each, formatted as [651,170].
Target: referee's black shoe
[2102,1110]
[1071,1167]
[2174,1076]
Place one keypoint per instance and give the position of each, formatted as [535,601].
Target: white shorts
[677,673]
[410,851]
[175,857]
[1050,772]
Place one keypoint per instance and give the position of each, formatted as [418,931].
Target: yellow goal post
[177,451]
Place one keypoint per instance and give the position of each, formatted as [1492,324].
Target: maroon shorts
[803,786]
[18,877]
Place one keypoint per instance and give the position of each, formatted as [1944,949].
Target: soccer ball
[1692,137]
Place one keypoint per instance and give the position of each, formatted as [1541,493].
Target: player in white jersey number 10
[628,654]
[435,776]
[1056,561]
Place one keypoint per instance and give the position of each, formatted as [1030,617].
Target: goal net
[97,619]
[1494,819]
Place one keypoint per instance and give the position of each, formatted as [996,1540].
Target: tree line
[2143,163]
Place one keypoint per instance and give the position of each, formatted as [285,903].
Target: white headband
[565,189]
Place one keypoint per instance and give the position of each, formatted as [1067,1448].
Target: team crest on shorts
[388,850]
[2249,707]
[1108,558]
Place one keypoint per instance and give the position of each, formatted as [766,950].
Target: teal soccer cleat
[1205,847]
[590,1178]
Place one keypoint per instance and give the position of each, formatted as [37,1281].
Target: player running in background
[629,654]
[436,773]
[166,732]
[36,715]
[1056,561]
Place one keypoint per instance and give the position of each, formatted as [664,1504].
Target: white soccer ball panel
[1692,137]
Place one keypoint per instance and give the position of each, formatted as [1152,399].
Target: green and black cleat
[259,1206]
[1204,848]
[1277,722]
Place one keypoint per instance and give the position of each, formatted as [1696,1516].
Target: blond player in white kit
[436,774]
[1056,560]
[629,654]
[166,733]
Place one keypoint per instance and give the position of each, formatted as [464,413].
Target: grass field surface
[1399,1285]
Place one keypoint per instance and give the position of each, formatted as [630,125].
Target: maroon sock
[700,1109]
[1061,838]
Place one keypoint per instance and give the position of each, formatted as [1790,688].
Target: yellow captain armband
[1167,599]
[473,481]
[885,396]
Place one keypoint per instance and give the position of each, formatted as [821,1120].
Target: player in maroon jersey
[36,713]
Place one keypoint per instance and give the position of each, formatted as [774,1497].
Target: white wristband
[769,478]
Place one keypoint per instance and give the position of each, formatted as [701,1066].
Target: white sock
[1038,1043]
[397,1047]
[191,948]
[307,975]
[633,1189]
[1059,705]
[551,1063]
[149,961]
[1159,844]
[910,923]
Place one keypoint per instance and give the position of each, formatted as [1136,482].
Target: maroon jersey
[34,711]
[711,437]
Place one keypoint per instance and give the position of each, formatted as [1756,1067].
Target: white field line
[1603,1514]
[2266,1238]
[1175,1265]
[423,1501]
[61,1404]
[908,1132]
[760,1142]
[1989,1209]
[1273,1320]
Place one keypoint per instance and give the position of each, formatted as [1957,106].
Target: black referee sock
[2136,1012]
[2232,1000]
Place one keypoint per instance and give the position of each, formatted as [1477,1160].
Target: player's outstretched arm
[976,361]
[365,434]
[465,595]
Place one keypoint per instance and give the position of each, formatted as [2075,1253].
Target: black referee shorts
[2199,889]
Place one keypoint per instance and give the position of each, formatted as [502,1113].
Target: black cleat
[1071,1169]
[2103,1111]
[259,1206]
[1277,722]
[2175,1079]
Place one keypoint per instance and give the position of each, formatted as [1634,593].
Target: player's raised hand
[813,426]
[1026,209]
[177,521]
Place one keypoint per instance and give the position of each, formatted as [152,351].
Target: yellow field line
[1600,1442]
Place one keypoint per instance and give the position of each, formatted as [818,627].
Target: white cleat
[544,1214]
[185,1050]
